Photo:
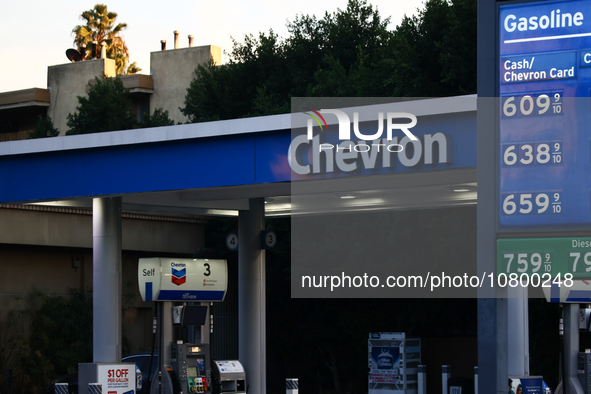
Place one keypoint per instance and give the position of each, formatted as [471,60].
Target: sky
[35,34]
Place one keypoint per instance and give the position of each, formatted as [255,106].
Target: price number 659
[526,203]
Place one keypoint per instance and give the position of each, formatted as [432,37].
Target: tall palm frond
[100,27]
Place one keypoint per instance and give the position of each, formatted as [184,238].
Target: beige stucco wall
[26,269]
[38,246]
[50,228]
[68,81]
[173,70]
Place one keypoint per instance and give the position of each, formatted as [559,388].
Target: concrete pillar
[106,280]
[167,335]
[518,335]
[251,296]
[161,382]
[571,352]
[205,328]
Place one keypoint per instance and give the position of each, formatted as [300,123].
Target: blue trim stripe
[554,293]
[191,295]
[148,291]
[579,296]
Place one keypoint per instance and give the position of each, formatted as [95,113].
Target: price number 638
[542,154]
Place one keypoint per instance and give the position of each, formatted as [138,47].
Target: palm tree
[100,26]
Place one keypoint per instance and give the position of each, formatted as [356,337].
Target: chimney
[163,45]
[176,39]
[191,40]
[94,53]
[103,50]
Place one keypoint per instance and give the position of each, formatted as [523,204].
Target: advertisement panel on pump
[114,378]
[167,279]
[393,361]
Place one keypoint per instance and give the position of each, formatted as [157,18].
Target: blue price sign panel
[545,115]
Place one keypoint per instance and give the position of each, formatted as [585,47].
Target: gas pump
[192,365]
[191,361]
[186,280]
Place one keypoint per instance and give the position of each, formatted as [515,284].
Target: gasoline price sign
[544,88]
[545,258]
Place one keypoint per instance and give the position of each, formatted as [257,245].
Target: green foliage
[157,119]
[61,329]
[44,338]
[436,51]
[44,128]
[22,369]
[347,53]
[100,26]
[107,108]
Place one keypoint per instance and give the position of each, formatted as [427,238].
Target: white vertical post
[518,335]
[251,296]
[445,375]
[475,380]
[106,279]
[422,379]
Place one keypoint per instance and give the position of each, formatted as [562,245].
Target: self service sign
[545,115]
[166,279]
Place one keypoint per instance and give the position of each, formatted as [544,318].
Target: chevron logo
[179,276]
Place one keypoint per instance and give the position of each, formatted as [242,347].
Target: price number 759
[525,260]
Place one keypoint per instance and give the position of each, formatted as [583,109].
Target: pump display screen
[192,372]
[194,315]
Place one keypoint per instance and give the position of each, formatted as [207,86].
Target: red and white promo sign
[117,378]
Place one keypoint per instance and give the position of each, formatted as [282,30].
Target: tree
[350,52]
[158,118]
[62,329]
[107,108]
[100,26]
[44,128]
[436,51]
